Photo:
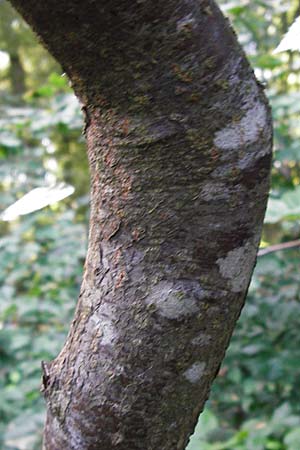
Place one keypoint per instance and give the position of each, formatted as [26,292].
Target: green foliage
[40,274]
[42,253]
[286,207]
[41,261]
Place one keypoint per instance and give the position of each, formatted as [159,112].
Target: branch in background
[277,247]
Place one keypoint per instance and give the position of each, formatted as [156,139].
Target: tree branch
[278,247]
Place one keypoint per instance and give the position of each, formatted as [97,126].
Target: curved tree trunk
[179,144]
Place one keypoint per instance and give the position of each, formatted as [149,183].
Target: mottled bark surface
[179,143]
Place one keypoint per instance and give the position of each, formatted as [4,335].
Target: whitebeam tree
[179,143]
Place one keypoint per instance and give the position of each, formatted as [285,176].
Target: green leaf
[265,61]
[287,207]
[292,439]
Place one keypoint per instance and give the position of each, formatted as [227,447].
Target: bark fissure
[179,144]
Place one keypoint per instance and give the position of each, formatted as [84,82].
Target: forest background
[255,401]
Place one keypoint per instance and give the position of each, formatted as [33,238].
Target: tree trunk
[179,144]
[16,74]
[11,43]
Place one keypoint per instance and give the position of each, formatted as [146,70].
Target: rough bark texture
[179,143]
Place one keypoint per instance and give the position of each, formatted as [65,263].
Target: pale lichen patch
[202,339]
[176,300]
[247,160]
[243,132]
[102,323]
[237,266]
[194,373]
[214,191]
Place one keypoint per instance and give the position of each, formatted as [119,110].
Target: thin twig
[277,247]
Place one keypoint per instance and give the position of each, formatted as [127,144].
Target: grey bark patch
[186,23]
[175,300]
[244,132]
[237,266]
[103,322]
[202,339]
[194,373]
[255,153]
[215,191]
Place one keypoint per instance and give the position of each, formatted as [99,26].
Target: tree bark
[16,74]
[179,144]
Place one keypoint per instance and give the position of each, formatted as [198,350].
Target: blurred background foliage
[255,401]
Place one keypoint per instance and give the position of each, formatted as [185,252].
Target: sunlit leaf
[36,199]
[291,40]
[287,206]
